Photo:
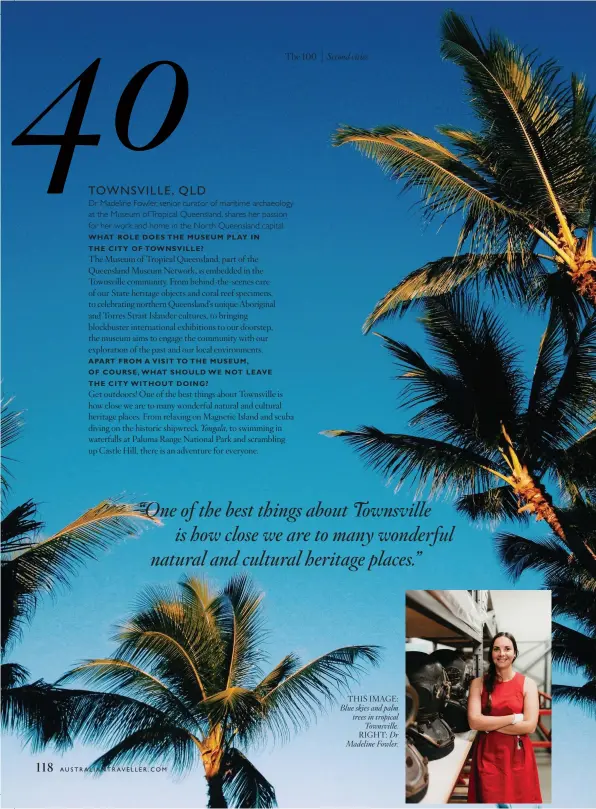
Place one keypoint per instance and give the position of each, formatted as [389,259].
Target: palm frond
[121,677]
[503,273]
[159,744]
[548,369]
[583,696]
[573,398]
[45,565]
[287,666]
[448,184]
[295,701]
[519,554]
[240,625]
[165,638]
[38,712]
[99,718]
[556,293]
[19,529]
[244,786]
[471,146]
[11,422]
[197,594]
[13,674]
[476,349]
[576,466]
[475,419]
[496,503]
[424,461]
[574,650]
[468,405]
[572,601]
[522,107]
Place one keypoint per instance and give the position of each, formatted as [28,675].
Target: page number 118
[72,137]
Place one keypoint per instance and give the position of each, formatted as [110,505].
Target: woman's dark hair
[490,677]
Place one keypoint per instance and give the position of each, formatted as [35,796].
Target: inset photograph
[478,696]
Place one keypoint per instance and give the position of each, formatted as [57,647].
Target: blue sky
[256,126]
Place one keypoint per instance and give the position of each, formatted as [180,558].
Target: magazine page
[298,410]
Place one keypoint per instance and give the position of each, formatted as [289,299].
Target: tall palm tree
[524,182]
[32,567]
[488,434]
[185,684]
[573,588]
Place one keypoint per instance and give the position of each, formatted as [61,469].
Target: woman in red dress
[503,708]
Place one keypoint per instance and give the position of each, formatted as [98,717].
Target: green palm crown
[185,685]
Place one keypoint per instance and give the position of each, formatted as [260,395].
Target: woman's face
[503,653]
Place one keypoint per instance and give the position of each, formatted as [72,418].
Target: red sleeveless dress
[504,767]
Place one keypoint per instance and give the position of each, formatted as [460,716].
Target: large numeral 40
[72,137]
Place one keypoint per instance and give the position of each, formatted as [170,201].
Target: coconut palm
[185,685]
[486,433]
[573,588]
[524,181]
[31,567]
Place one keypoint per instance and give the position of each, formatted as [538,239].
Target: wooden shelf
[442,774]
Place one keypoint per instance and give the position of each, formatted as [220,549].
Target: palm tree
[32,567]
[489,435]
[573,588]
[524,182]
[185,684]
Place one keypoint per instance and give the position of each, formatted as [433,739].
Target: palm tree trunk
[216,795]
[212,754]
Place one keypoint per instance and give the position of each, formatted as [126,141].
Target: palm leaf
[43,566]
[475,348]
[158,744]
[38,712]
[10,429]
[102,718]
[240,624]
[582,695]
[448,184]
[277,675]
[507,274]
[447,468]
[476,420]
[19,529]
[519,554]
[576,603]
[576,466]
[165,638]
[572,400]
[13,674]
[122,677]
[518,99]
[547,372]
[294,702]
[244,785]
[574,650]
[496,503]
[556,293]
